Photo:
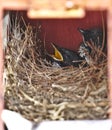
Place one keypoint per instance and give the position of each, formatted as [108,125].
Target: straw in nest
[39,91]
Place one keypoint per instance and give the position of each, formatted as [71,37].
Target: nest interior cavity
[39,91]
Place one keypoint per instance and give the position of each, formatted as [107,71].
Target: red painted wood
[64,32]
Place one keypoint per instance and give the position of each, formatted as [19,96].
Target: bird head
[57,54]
[86,34]
[82,31]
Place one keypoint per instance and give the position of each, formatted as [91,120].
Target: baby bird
[65,57]
[94,35]
[93,40]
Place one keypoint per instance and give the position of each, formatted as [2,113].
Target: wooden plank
[14,4]
[64,8]
[25,5]
[79,13]
[62,4]
[109,20]
[1,71]
[55,4]
[94,4]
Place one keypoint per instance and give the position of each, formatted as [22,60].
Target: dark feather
[92,38]
[69,57]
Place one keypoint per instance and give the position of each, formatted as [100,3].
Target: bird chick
[94,41]
[64,57]
[93,36]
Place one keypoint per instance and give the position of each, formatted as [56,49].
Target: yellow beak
[57,55]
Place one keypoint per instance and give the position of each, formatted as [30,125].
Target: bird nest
[39,91]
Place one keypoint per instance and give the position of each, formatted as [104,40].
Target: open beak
[82,31]
[57,55]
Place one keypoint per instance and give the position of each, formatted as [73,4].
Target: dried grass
[41,92]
